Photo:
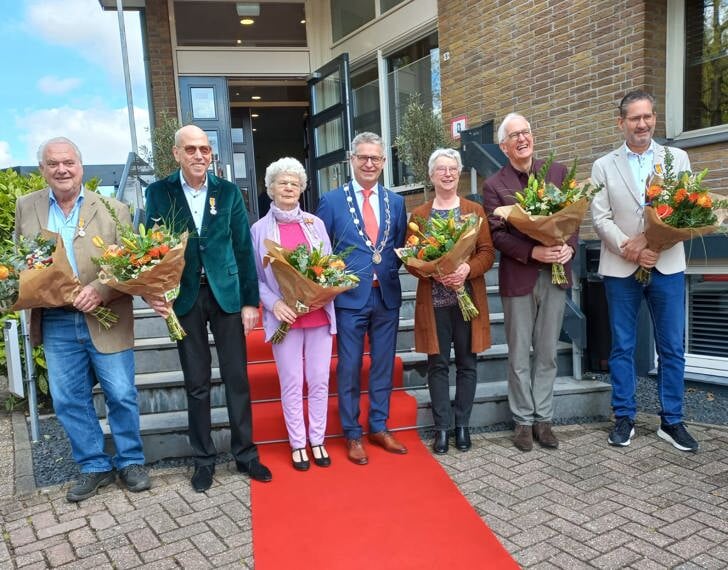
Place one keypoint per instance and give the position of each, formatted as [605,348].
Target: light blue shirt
[641,166]
[196,200]
[66,226]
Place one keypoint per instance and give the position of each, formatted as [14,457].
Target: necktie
[371,227]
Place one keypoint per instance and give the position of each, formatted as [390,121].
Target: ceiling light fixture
[247,21]
[255,115]
[240,42]
[303,21]
[255,97]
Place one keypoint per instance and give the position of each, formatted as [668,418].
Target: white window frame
[675,77]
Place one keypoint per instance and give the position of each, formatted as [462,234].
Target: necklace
[376,250]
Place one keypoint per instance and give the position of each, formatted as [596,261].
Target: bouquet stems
[174,327]
[558,274]
[106,317]
[465,302]
[280,333]
[643,275]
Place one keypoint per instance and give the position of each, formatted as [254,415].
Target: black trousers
[194,354]
[452,329]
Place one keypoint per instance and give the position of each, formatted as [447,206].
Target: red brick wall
[161,69]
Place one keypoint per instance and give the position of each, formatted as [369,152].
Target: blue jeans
[72,362]
[665,296]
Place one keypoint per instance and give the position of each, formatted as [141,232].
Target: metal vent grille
[708,316]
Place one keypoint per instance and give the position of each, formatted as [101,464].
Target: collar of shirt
[189,189]
[373,200]
[65,225]
[76,206]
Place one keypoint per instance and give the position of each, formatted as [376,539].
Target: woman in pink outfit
[305,353]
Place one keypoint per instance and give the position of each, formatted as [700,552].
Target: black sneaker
[622,433]
[678,436]
[135,478]
[88,484]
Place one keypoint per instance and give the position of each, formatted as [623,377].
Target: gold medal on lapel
[213,209]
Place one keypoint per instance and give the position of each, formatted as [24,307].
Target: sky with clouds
[63,76]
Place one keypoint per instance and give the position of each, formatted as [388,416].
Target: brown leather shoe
[544,436]
[355,452]
[523,439]
[386,440]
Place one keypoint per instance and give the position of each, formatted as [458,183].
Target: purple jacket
[267,284]
[517,270]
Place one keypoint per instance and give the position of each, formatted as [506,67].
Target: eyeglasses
[52,164]
[447,169]
[291,183]
[636,120]
[525,133]
[191,150]
[364,158]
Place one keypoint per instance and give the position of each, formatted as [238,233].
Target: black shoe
[255,469]
[462,438]
[202,477]
[299,459]
[622,433]
[678,436]
[441,443]
[88,484]
[135,478]
[320,455]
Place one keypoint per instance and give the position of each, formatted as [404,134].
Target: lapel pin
[213,209]
[81,230]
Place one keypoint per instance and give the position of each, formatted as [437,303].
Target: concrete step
[573,399]
[492,365]
[406,333]
[407,310]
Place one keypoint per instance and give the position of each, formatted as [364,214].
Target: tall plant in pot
[420,134]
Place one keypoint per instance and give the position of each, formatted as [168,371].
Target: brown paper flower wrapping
[162,278]
[451,260]
[299,292]
[661,236]
[52,286]
[547,230]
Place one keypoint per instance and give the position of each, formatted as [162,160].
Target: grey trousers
[533,320]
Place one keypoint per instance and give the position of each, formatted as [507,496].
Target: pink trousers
[305,354]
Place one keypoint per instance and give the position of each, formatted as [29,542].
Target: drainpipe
[127,77]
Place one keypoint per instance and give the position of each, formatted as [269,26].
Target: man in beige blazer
[618,220]
[78,350]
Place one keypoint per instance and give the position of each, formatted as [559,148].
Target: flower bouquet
[438,245]
[678,208]
[548,213]
[308,280]
[37,274]
[147,263]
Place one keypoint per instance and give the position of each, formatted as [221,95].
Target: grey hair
[58,140]
[631,97]
[502,134]
[285,165]
[447,153]
[366,138]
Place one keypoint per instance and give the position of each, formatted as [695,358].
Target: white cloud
[6,159]
[52,85]
[83,26]
[102,134]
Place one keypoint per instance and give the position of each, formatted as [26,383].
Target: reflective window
[365,101]
[240,24]
[348,15]
[706,64]
[388,4]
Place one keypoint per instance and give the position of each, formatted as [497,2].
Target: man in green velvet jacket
[219,286]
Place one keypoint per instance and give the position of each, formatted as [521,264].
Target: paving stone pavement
[585,505]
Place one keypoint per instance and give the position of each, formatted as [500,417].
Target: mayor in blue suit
[370,220]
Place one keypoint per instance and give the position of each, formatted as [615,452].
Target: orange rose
[693,197]
[705,201]
[663,210]
[4,272]
[163,249]
[154,253]
[413,240]
[317,270]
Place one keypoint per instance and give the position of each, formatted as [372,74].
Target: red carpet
[398,512]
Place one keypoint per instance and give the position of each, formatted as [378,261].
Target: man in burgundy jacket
[533,307]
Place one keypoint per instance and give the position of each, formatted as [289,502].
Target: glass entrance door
[330,127]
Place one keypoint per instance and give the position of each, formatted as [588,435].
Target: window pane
[275,24]
[329,137]
[366,107]
[330,177]
[347,16]
[423,77]
[326,92]
[706,64]
[388,4]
